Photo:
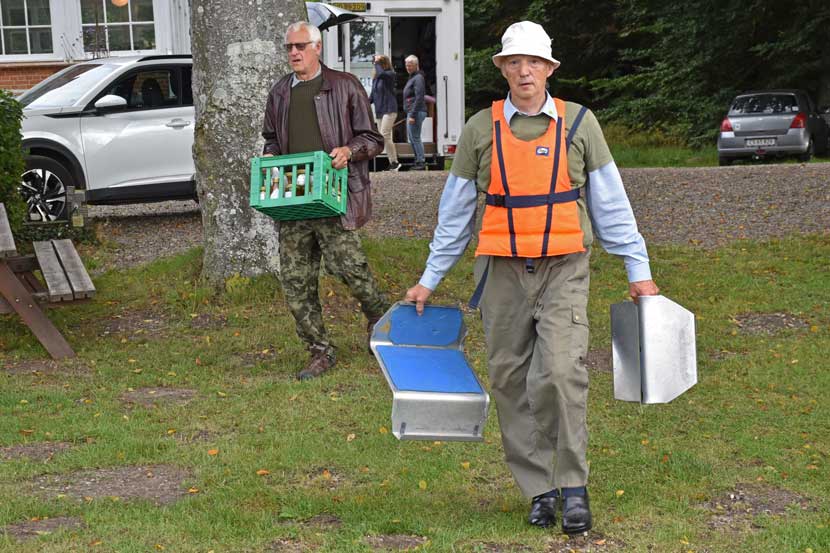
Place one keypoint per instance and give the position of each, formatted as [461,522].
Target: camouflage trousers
[302,245]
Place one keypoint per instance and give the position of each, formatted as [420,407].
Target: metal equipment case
[435,393]
[653,349]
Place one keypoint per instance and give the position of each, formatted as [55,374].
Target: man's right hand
[418,295]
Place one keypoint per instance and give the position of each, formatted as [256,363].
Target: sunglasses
[300,46]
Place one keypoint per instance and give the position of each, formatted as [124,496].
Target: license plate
[760,142]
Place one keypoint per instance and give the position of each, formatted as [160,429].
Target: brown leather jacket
[345,120]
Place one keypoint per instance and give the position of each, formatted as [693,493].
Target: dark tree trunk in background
[236,59]
[824,75]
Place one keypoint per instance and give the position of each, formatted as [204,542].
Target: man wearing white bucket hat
[551,185]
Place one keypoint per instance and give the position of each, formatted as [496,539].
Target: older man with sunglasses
[316,108]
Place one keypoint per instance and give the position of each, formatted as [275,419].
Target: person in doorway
[386,106]
[416,109]
[316,108]
[550,185]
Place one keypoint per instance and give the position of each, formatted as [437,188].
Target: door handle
[177,123]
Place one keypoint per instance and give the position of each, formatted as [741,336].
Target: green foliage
[654,148]
[665,66]
[11,159]
[53,231]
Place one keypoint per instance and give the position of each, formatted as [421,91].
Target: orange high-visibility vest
[531,208]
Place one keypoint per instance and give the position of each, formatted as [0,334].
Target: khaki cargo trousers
[302,245]
[536,329]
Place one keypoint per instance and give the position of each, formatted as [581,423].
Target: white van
[432,30]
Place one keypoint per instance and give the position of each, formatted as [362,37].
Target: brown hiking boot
[319,363]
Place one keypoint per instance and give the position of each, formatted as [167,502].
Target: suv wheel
[43,187]
[805,157]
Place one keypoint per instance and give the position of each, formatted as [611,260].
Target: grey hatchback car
[772,123]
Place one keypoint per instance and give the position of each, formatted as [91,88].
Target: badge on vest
[542,151]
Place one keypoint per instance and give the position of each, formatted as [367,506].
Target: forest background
[650,65]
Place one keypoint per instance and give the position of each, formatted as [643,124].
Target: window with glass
[117,25]
[366,41]
[26,27]
[155,88]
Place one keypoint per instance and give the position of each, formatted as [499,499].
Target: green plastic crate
[277,191]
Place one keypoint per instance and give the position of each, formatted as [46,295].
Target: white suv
[120,128]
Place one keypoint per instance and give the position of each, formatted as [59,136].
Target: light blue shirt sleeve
[456,222]
[614,223]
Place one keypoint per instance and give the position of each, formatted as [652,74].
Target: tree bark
[236,59]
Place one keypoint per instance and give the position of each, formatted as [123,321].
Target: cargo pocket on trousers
[579,332]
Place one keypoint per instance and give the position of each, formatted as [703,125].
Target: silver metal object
[435,393]
[653,348]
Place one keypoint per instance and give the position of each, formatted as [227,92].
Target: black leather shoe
[576,514]
[543,511]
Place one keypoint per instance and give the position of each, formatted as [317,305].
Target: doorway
[414,35]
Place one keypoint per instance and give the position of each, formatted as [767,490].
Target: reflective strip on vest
[531,208]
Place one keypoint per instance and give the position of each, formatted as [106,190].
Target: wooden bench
[64,279]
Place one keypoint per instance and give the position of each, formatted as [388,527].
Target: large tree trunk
[824,75]
[236,59]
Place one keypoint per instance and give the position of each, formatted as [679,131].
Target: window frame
[129,24]
[173,68]
[67,39]
[27,27]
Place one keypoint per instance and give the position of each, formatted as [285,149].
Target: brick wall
[18,77]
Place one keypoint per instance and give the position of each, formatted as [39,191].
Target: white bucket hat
[526,38]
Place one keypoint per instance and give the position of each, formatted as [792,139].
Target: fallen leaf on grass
[263,472]
[326,474]
[383,430]
[620,493]
[193,490]
[350,437]
[465,465]
[422,484]
[213,452]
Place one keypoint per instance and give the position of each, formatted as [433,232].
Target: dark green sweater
[303,127]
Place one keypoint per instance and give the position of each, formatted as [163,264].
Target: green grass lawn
[638,149]
[263,454]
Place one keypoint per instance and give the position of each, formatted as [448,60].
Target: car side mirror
[110,102]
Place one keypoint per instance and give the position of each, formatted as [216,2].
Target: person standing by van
[416,109]
[386,106]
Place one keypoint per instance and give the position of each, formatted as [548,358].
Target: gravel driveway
[707,207]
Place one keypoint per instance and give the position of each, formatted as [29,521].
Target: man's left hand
[340,157]
[642,288]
